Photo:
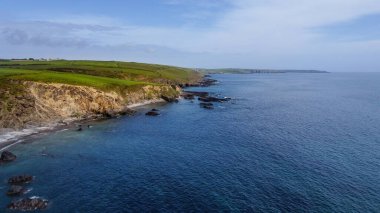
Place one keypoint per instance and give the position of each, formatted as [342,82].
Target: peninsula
[40,92]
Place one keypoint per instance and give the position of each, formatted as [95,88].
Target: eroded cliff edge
[36,104]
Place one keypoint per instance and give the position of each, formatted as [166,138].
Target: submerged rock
[15,190]
[154,110]
[207,105]
[7,156]
[21,179]
[29,204]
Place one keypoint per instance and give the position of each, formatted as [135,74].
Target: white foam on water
[16,135]
[34,197]
[28,190]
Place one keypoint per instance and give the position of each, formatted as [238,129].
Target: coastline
[9,138]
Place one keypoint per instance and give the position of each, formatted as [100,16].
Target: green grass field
[75,79]
[130,71]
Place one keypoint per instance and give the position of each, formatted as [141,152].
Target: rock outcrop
[169,99]
[15,190]
[213,99]
[21,179]
[195,93]
[29,204]
[7,156]
[152,113]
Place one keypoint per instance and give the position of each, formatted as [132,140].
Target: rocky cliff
[39,104]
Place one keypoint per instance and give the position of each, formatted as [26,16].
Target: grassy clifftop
[96,73]
[103,75]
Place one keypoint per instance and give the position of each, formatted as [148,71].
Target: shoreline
[13,137]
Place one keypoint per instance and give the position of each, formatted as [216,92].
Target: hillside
[34,93]
[252,71]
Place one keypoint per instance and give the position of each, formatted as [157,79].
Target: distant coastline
[253,71]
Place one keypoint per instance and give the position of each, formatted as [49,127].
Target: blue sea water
[286,143]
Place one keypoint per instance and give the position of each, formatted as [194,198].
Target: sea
[284,143]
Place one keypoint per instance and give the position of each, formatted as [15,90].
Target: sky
[331,35]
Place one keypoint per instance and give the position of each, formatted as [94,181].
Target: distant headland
[252,71]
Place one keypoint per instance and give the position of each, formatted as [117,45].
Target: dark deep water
[287,143]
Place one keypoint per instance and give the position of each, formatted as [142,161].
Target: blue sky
[333,35]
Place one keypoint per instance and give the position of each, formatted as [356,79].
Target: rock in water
[29,204]
[207,105]
[15,190]
[213,99]
[152,113]
[21,179]
[79,128]
[7,156]
[189,95]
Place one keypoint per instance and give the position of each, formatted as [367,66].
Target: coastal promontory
[37,93]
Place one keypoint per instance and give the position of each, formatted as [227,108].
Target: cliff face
[42,103]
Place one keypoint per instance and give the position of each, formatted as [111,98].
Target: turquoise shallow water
[286,143]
